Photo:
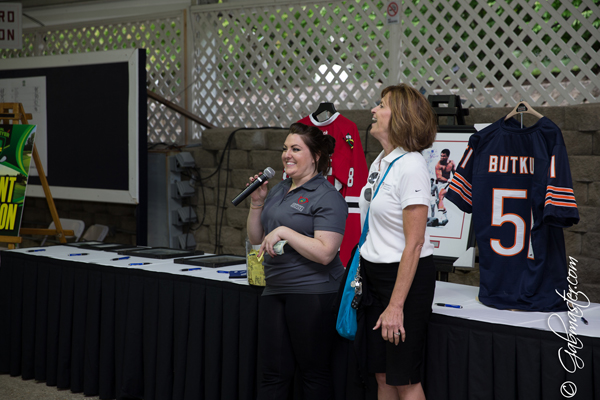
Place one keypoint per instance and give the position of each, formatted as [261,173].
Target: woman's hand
[258,196]
[254,227]
[391,322]
[321,249]
[270,240]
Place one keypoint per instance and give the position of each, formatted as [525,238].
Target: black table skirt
[134,334]
[468,360]
[124,333]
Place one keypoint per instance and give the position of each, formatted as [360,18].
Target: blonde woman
[397,257]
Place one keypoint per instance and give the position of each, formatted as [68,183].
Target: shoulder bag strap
[365,230]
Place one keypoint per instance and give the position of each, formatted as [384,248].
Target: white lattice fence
[497,52]
[271,65]
[163,39]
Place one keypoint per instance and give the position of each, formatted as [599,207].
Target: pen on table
[78,254]
[139,263]
[448,305]
[584,320]
[34,251]
[191,269]
[120,258]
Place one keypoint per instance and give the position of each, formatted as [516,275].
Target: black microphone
[268,173]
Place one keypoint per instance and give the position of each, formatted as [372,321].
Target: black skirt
[402,364]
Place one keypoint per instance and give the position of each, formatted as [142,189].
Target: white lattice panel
[497,52]
[272,65]
[163,39]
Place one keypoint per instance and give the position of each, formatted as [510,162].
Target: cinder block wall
[253,150]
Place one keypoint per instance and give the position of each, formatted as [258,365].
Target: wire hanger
[523,108]
[329,107]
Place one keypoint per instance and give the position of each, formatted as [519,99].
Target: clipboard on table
[158,252]
[213,261]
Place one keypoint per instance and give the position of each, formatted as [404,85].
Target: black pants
[296,329]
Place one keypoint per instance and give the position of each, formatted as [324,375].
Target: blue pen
[584,320]
[237,274]
[191,269]
[34,251]
[78,254]
[140,263]
[448,305]
[120,258]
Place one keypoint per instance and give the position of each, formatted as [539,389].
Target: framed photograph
[158,252]
[449,228]
[81,244]
[96,245]
[213,261]
[117,246]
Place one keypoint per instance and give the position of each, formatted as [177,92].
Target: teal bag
[346,320]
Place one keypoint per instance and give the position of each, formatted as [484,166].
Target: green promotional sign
[16,146]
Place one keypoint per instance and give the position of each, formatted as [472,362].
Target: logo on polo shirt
[297,206]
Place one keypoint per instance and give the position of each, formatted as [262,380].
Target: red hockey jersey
[348,172]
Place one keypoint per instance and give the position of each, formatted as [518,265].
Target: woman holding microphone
[296,320]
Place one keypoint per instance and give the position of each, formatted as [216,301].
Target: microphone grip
[251,188]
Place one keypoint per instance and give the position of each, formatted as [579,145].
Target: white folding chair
[76,225]
[96,232]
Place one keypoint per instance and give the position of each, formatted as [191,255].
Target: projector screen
[95,122]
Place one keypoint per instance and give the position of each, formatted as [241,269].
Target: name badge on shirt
[297,207]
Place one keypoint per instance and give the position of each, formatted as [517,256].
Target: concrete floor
[15,388]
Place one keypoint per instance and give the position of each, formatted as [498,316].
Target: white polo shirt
[407,183]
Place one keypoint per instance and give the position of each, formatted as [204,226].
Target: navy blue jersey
[517,183]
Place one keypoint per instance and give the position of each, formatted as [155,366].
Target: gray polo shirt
[314,206]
